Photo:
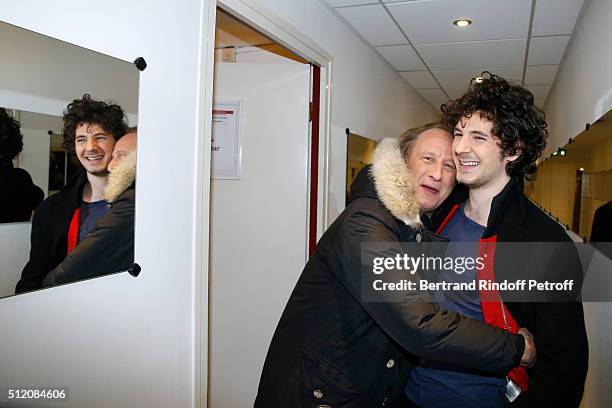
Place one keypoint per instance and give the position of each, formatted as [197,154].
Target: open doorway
[264,198]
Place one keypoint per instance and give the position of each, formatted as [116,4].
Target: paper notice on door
[226,142]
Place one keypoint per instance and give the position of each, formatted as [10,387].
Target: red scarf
[73,231]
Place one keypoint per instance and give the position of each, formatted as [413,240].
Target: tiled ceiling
[521,40]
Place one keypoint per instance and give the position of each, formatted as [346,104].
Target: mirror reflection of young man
[110,246]
[498,136]
[91,129]
[330,347]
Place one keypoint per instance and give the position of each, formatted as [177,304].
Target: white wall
[34,157]
[368,97]
[582,91]
[15,238]
[36,145]
[119,341]
[581,94]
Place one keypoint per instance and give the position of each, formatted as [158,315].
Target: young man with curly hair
[498,135]
[91,129]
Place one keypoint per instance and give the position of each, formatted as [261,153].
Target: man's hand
[529,355]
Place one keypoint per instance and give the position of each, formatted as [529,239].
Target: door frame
[254,13]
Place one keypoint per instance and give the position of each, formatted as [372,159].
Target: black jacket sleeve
[40,255]
[108,248]
[420,327]
[31,194]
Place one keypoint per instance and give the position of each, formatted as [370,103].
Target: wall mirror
[67,162]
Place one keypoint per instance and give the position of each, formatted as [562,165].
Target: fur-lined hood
[393,182]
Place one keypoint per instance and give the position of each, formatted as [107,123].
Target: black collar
[507,210]
[363,185]
[73,190]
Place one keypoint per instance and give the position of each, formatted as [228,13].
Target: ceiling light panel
[420,79]
[540,74]
[475,54]
[553,17]
[342,3]
[547,50]
[462,22]
[402,57]
[427,22]
[374,24]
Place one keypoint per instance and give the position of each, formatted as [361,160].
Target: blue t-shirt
[432,387]
[90,214]
[464,235]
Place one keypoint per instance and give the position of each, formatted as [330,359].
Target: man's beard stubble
[121,178]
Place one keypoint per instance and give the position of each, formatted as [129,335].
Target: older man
[110,245]
[332,348]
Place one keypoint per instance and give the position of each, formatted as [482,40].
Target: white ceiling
[520,40]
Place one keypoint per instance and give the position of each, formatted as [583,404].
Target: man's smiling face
[477,153]
[94,147]
[431,165]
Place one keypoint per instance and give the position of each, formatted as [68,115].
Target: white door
[258,224]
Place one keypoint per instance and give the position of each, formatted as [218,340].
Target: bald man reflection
[110,245]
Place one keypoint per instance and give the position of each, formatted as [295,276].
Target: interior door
[258,224]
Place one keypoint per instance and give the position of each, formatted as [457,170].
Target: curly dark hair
[107,115]
[517,122]
[11,139]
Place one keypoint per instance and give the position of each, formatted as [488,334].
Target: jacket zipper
[503,309]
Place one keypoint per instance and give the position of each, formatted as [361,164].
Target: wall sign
[226,143]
